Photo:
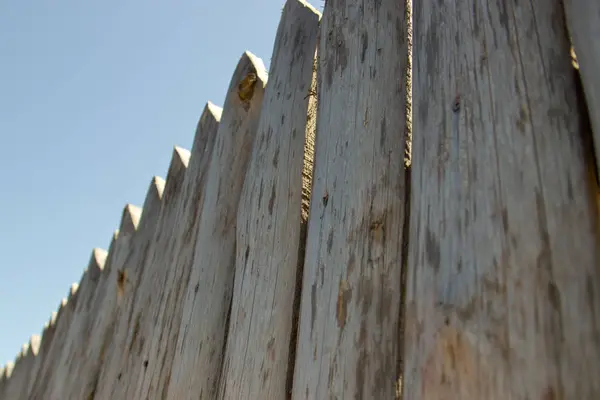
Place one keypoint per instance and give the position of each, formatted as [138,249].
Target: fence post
[6,375]
[17,375]
[161,350]
[30,352]
[47,339]
[102,312]
[502,289]
[60,326]
[269,219]
[110,378]
[348,342]
[199,352]
[145,305]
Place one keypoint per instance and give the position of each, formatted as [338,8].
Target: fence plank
[147,301]
[29,367]
[110,380]
[269,219]
[77,336]
[583,19]
[45,377]
[47,339]
[161,350]
[197,362]
[104,305]
[17,375]
[503,279]
[348,336]
[3,382]
[6,375]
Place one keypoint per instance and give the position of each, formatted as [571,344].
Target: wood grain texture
[269,219]
[161,351]
[349,320]
[142,321]
[36,345]
[47,339]
[583,20]
[77,337]
[202,333]
[113,377]
[6,375]
[45,377]
[28,367]
[104,306]
[3,382]
[503,279]
[17,376]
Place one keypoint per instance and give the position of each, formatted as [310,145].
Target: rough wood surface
[6,375]
[348,336]
[583,19]
[17,376]
[77,336]
[104,305]
[28,367]
[201,339]
[269,219]
[147,301]
[161,351]
[3,382]
[111,380]
[37,346]
[503,280]
[45,376]
[47,338]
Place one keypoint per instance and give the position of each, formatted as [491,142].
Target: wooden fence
[320,242]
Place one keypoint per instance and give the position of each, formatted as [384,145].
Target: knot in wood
[456,104]
[246,87]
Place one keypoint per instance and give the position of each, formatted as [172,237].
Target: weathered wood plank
[349,321]
[3,382]
[153,278]
[201,339]
[45,377]
[6,374]
[78,333]
[37,345]
[29,367]
[17,375]
[103,310]
[47,338]
[269,219]
[583,20]
[112,377]
[161,350]
[502,289]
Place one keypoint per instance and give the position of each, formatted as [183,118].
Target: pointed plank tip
[8,370]
[72,291]
[130,219]
[181,155]
[99,257]
[179,162]
[152,201]
[214,110]
[34,344]
[53,317]
[157,186]
[256,63]
[305,4]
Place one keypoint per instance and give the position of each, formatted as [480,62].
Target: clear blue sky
[93,97]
